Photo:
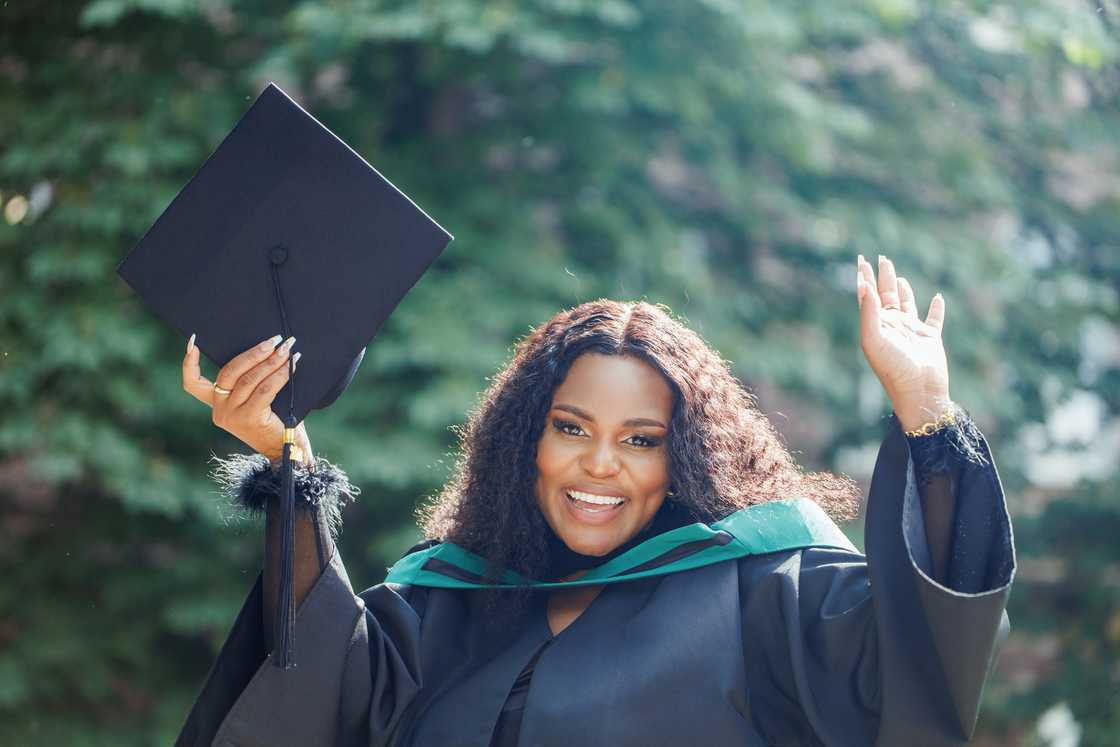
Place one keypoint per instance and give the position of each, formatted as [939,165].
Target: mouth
[593,508]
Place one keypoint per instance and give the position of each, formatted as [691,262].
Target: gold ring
[221,390]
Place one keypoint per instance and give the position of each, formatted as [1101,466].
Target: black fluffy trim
[943,451]
[250,481]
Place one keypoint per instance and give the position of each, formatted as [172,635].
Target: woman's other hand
[905,352]
[253,379]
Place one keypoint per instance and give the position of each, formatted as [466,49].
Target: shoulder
[811,570]
[803,586]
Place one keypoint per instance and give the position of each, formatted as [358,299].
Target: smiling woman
[610,399]
[602,465]
[627,554]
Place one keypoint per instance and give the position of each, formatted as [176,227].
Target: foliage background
[726,157]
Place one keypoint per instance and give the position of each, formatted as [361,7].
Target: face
[602,461]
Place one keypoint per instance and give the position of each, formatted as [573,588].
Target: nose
[600,460]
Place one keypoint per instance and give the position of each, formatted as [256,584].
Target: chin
[592,546]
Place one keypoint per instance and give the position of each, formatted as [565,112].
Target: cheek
[653,470]
[548,457]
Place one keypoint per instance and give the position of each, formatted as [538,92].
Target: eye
[646,442]
[567,427]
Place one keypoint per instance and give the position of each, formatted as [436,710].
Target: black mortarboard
[285,229]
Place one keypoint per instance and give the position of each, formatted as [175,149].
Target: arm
[937,634]
[938,507]
[245,699]
[847,650]
[314,527]
[941,459]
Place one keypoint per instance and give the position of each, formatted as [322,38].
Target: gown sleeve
[846,650]
[357,661]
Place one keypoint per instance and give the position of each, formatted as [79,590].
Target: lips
[598,499]
[593,508]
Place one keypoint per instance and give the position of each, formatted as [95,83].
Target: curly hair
[724,454]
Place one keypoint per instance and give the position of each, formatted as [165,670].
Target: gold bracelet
[947,418]
[296,453]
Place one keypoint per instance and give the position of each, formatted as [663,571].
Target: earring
[670,493]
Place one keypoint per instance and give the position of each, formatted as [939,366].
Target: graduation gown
[817,645]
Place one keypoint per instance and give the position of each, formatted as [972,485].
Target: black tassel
[284,631]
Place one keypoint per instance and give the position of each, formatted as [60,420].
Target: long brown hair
[724,454]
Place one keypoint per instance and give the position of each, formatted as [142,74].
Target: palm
[905,352]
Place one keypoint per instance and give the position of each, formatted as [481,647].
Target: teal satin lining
[768,527]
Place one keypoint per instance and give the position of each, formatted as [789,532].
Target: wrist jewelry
[295,453]
[945,420]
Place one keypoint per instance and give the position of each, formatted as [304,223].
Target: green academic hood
[774,526]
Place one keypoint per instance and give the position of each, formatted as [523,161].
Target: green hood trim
[774,526]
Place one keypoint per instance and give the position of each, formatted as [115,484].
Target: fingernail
[271,342]
[881,258]
[295,360]
[859,260]
[287,346]
[190,342]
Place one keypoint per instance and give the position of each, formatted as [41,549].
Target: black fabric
[283,196]
[812,647]
[507,732]
[251,481]
[945,450]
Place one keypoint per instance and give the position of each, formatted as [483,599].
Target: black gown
[818,646]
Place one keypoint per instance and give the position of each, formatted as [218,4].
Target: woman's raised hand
[253,379]
[906,353]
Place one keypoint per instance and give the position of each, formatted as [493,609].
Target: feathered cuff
[947,449]
[250,481]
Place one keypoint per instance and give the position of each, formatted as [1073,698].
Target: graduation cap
[286,229]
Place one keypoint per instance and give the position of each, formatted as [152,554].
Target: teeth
[599,500]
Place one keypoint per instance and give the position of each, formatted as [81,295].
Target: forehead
[616,387]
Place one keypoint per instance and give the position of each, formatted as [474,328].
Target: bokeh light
[16,209]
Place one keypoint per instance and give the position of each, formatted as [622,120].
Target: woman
[694,591]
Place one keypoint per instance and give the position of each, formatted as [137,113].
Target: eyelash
[561,425]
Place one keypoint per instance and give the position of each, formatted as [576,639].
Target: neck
[565,564]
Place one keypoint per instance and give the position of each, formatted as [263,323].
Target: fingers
[888,285]
[232,371]
[194,383]
[869,304]
[936,316]
[248,381]
[262,396]
[906,299]
[890,291]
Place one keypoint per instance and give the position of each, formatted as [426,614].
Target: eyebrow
[629,423]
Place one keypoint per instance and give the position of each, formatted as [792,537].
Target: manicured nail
[271,342]
[287,346]
[881,259]
[295,360]
[859,261]
[190,342]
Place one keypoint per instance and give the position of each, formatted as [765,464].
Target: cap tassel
[284,630]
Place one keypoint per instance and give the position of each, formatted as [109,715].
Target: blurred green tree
[728,159]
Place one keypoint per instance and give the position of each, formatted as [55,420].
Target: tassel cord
[283,656]
[284,653]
